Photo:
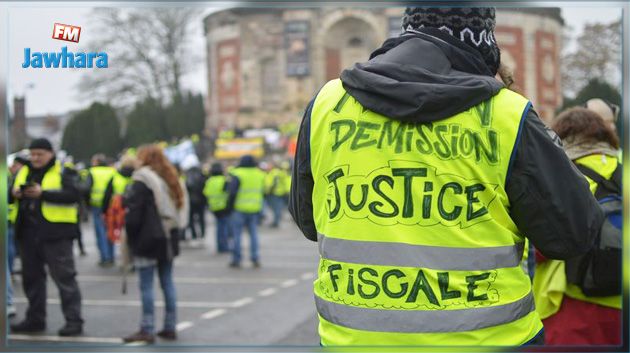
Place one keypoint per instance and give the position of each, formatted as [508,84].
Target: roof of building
[550,12]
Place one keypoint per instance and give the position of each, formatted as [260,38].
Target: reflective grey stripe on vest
[423,256]
[423,321]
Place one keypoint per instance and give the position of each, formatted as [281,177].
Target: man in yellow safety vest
[420,174]
[245,197]
[46,198]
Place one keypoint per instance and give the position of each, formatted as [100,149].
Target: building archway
[346,42]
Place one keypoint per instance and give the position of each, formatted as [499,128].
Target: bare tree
[148,50]
[598,55]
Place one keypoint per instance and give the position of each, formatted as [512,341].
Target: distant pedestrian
[157,209]
[277,186]
[46,224]
[18,162]
[195,182]
[246,191]
[113,208]
[100,175]
[216,193]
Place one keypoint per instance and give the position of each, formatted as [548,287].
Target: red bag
[115,218]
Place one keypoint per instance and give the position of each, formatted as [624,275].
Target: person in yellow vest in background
[277,184]
[18,162]
[572,317]
[113,208]
[246,192]
[420,174]
[216,193]
[100,175]
[46,224]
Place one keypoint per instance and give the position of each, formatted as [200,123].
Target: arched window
[355,42]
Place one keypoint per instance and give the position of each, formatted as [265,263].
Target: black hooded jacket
[428,75]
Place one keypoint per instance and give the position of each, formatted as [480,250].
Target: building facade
[265,64]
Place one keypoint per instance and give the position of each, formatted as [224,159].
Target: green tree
[185,116]
[146,123]
[92,130]
[597,55]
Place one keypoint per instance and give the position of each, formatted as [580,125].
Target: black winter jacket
[145,235]
[428,76]
[30,220]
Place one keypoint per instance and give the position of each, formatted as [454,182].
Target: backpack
[115,218]
[598,273]
[195,182]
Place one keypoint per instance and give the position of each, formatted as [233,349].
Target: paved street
[217,305]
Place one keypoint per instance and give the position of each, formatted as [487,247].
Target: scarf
[577,148]
[170,215]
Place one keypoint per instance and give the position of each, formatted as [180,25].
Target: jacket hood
[216,169]
[126,171]
[421,76]
[247,161]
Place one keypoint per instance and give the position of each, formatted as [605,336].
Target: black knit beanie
[472,25]
[40,143]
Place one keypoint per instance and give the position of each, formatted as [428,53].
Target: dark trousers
[57,255]
[196,215]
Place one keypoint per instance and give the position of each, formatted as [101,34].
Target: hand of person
[33,192]
[16,193]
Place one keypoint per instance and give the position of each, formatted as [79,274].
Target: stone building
[265,64]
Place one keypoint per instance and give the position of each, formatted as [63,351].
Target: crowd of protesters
[141,204]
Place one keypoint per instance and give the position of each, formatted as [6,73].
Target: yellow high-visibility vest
[119,183]
[101,175]
[249,198]
[52,212]
[416,243]
[215,192]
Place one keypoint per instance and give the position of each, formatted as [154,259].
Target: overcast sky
[53,91]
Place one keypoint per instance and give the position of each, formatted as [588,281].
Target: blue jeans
[223,233]
[538,340]
[165,274]
[105,247]
[277,205]
[10,247]
[9,289]
[240,220]
[531,261]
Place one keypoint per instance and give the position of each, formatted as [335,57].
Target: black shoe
[28,326]
[106,263]
[140,336]
[235,265]
[70,330]
[170,335]
[256,264]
